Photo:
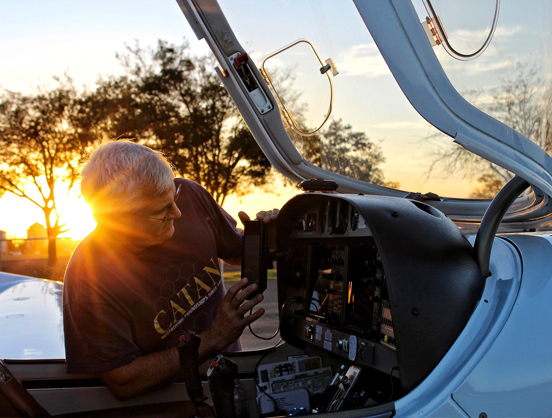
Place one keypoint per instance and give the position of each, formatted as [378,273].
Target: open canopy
[327,98]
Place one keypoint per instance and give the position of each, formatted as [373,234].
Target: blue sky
[41,39]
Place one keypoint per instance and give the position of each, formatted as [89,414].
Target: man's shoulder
[89,244]
[89,258]
[191,186]
[200,195]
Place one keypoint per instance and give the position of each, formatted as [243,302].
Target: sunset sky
[42,39]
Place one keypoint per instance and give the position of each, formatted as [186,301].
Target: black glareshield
[256,258]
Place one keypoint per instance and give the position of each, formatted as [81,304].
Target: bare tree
[523,102]
[40,146]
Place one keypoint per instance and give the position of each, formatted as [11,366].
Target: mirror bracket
[330,65]
[240,62]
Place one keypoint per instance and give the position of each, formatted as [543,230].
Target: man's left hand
[266,216]
[269,218]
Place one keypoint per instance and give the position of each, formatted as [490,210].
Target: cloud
[366,60]
[484,66]
[363,60]
[493,59]
[471,37]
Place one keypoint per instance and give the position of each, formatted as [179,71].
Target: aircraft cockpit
[376,282]
[383,286]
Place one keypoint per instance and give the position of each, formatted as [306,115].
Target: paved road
[267,324]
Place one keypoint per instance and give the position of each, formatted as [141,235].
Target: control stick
[221,375]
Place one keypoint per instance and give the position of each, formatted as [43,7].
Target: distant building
[3,243]
[37,239]
[36,230]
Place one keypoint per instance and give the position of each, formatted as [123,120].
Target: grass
[234,276]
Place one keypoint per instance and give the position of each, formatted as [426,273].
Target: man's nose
[174,213]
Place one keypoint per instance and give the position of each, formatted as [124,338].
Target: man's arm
[143,374]
[160,369]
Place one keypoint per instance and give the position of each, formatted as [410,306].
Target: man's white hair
[120,174]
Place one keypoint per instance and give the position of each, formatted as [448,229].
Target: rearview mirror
[302,84]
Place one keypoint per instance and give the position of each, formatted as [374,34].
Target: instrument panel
[346,307]
[370,279]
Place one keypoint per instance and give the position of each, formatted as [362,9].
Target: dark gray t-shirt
[118,306]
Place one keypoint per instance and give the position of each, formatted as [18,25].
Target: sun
[77,216]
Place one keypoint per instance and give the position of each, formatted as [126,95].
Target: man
[149,273]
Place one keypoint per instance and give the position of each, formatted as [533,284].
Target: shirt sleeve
[229,237]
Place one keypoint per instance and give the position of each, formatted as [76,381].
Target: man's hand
[266,216]
[230,321]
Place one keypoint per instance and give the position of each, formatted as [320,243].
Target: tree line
[166,99]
